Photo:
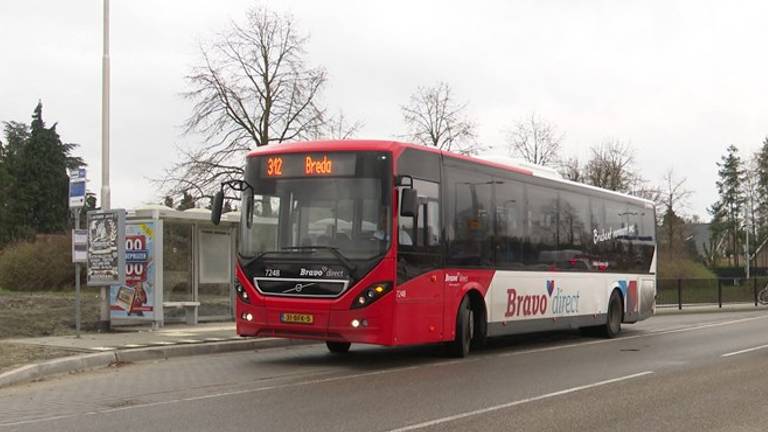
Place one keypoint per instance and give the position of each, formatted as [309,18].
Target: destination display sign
[308,165]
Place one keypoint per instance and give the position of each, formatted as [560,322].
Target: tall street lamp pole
[105,192]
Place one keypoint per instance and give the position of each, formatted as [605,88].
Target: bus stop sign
[77,188]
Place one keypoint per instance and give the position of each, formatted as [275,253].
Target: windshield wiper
[335,251]
[248,260]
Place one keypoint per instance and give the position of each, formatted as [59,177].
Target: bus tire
[464,329]
[338,347]
[612,326]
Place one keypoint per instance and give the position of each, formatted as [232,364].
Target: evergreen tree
[89,205]
[5,182]
[38,162]
[761,174]
[168,201]
[727,212]
[16,224]
[672,234]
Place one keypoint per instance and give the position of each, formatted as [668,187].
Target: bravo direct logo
[527,305]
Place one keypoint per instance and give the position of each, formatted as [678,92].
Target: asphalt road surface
[682,372]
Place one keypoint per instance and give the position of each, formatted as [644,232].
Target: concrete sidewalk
[123,338]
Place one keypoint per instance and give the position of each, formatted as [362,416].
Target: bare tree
[642,188]
[434,118]
[571,169]
[673,199]
[674,193]
[611,166]
[535,141]
[338,127]
[753,218]
[251,88]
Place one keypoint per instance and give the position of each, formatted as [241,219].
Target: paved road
[682,372]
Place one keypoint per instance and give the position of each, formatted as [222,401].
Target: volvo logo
[299,287]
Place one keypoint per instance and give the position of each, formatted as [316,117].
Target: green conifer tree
[38,162]
[761,207]
[727,212]
[5,182]
[17,225]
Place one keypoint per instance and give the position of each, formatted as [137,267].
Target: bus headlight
[371,294]
[240,290]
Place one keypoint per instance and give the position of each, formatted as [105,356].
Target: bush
[44,264]
[683,268]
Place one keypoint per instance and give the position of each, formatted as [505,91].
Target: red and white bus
[388,243]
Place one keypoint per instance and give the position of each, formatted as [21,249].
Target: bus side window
[510,229]
[470,217]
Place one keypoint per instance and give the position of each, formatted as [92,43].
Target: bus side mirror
[404,181]
[409,206]
[218,203]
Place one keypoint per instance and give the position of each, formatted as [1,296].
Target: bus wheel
[465,327]
[612,327]
[338,347]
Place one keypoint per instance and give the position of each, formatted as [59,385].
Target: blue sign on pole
[77,190]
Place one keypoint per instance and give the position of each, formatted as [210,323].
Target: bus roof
[398,147]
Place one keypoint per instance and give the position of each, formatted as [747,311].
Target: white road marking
[200,330]
[324,380]
[624,338]
[744,351]
[211,396]
[442,420]
[102,348]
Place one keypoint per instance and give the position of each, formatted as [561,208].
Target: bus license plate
[296,318]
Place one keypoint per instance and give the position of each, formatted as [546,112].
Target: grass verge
[34,314]
[17,355]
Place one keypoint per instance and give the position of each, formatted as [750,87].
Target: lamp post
[105,192]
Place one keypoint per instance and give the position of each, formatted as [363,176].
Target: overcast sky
[680,81]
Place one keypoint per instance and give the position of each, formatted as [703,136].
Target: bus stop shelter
[179,267]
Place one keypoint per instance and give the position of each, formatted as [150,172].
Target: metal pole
[720,293]
[754,289]
[105,191]
[77,282]
[77,300]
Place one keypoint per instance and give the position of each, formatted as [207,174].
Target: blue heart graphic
[550,287]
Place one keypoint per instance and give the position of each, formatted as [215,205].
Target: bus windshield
[300,205]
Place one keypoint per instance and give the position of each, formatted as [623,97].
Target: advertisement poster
[136,297]
[105,257]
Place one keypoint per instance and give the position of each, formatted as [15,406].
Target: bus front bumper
[356,326]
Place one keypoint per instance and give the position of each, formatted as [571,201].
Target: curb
[79,363]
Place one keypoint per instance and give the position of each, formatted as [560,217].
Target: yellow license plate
[296,318]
